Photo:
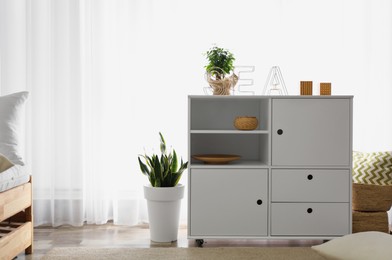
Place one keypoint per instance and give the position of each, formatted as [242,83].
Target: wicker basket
[246,123]
[367,197]
[370,221]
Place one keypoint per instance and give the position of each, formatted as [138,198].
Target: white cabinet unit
[293,178]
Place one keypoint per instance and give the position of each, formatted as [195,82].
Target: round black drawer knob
[310,210]
[259,202]
[310,176]
[280,131]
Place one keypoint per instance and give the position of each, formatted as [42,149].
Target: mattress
[13,176]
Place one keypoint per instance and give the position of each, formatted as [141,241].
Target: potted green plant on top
[220,66]
[164,193]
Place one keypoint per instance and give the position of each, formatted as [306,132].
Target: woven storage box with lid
[325,89]
[306,88]
[370,221]
[246,123]
[371,198]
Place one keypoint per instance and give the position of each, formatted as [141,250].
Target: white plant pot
[163,206]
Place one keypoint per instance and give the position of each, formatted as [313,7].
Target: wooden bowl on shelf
[246,123]
[216,158]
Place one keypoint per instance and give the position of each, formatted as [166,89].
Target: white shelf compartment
[211,113]
[251,147]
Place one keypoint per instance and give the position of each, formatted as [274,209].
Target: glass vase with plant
[219,70]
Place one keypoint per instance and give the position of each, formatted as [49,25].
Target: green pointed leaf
[174,163]
[163,144]
[149,161]
[157,183]
[185,165]
[158,168]
[176,179]
[143,167]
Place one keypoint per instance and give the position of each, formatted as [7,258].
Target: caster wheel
[199,242]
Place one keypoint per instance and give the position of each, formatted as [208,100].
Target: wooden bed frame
[16,221]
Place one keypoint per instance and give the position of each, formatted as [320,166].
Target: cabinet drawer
[310,185]
[228,202]
[310,219]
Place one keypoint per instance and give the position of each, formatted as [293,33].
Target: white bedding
[12,175]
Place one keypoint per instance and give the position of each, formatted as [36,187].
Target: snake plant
[163,170]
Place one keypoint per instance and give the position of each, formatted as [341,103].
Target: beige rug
[218,253]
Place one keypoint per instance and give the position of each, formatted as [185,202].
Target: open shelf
[219,113]
[251,147]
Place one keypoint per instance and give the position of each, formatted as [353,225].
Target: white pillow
[10,112]
[358,246]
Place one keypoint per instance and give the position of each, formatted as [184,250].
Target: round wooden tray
[216,158]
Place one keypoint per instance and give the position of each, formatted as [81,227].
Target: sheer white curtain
[106,76]
[83,140]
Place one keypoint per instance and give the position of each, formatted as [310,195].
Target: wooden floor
[109,236]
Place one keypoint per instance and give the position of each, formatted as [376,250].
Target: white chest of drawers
[293,180]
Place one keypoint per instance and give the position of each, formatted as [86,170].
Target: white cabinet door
[310,132]
[228,202]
